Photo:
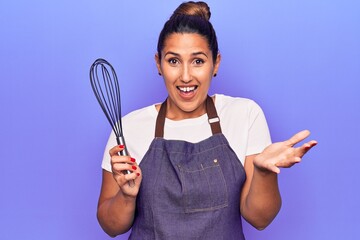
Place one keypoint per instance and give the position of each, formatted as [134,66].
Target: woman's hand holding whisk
[121,164]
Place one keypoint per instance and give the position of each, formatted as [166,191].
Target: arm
[117,201]
[260,198]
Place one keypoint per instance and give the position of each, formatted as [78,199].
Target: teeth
[186,89]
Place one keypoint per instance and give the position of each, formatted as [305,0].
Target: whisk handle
[121,141]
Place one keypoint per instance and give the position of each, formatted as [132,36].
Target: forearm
[116,214]
[263,200]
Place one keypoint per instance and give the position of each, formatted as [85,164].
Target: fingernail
[132,159]
[138,174]
[121,146]
[133,167]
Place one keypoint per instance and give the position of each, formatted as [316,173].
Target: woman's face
[187,67]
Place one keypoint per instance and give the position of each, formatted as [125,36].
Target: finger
[120,168]
[132,176]
[115,150]
[272,168]
[123,159]
[301,151]
[298,137]
[289,162]
[123,179]
[275,169]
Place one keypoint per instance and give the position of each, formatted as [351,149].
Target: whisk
[105,85]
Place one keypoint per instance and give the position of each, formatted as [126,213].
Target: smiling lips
[187,89]
[187,93]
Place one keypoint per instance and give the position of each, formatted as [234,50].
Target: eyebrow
[193,54]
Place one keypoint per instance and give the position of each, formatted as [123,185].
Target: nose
[186,76]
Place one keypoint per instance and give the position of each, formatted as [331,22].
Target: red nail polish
[132,159]
[138,174]
[121,146]
[133,167]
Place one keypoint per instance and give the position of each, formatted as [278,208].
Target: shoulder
[229,104]
[139,120]
[138,130]
[141,114]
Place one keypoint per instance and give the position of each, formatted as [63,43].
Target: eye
[199,61]
[173,61]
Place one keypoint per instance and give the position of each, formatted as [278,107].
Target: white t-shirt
[242,122]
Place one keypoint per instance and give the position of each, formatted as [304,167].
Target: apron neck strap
[213,118]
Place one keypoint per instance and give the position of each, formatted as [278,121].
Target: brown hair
[200,9]
[190,17]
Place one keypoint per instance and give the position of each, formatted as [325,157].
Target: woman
[210,160]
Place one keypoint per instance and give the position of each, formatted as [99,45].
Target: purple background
[300,60]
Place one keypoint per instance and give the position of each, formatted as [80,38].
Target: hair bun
[200,9]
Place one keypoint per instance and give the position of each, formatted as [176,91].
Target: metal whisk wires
[105,85]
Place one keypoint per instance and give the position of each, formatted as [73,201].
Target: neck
[175,113]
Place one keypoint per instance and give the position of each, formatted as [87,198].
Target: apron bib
[189,190]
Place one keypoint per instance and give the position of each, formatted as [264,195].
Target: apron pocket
[204,188]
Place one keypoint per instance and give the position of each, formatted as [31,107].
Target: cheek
[169,79]
[204,75]
[170,74]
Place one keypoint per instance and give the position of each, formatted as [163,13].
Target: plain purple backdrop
[300,60]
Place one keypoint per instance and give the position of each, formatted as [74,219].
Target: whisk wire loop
[106,88]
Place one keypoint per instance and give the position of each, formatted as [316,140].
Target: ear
[217,64]
[158,63]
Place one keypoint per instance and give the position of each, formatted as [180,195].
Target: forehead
[183,42]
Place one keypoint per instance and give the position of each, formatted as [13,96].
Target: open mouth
[187,89]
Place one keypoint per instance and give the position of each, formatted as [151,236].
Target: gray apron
[189,190]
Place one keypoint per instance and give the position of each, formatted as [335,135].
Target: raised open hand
[283,154]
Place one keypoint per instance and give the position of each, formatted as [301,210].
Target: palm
[283,154]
